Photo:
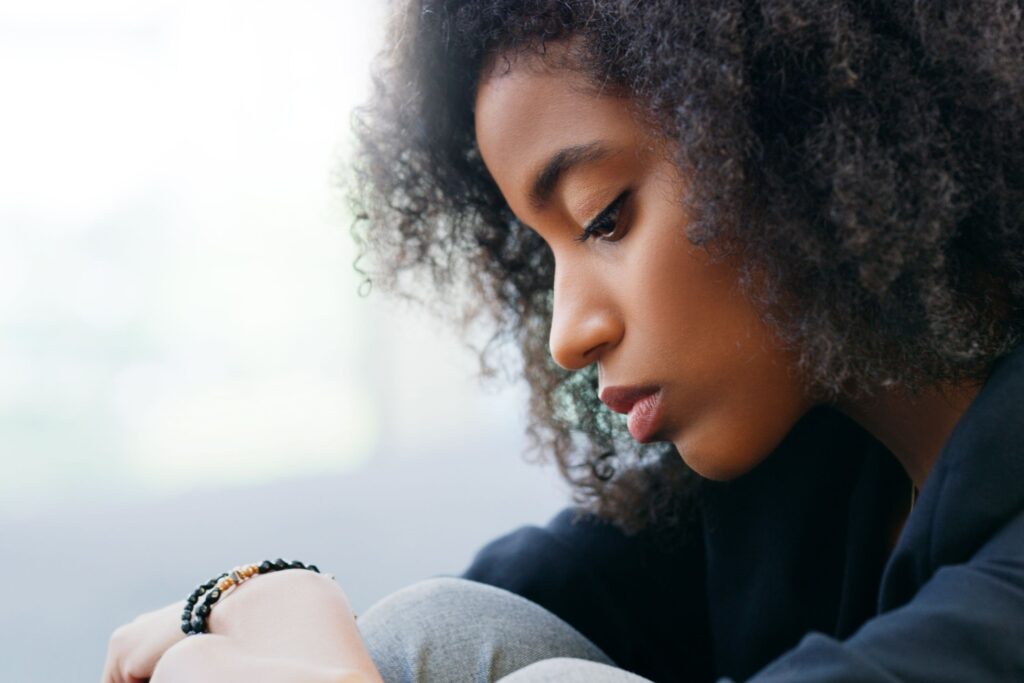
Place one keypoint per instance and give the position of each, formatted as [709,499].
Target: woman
[785,239]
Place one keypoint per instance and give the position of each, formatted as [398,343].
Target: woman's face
[636,297]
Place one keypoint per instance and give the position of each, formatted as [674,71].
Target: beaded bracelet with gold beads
[193,619]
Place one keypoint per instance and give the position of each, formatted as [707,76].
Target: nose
[584,319]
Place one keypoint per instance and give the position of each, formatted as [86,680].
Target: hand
[286,616]
[295,615]
[136,647]
[213,658]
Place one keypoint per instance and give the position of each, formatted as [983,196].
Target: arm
[965,624]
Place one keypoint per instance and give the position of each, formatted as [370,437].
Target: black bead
[203,610]
[214,596]
[266,566]
[198,625]
[186,627]
[280,564]
[297,565]
[313,568]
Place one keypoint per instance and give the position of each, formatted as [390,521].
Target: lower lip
[644,416]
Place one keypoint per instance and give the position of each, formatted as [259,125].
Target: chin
[715,461]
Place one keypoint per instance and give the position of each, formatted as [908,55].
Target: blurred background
[189,379]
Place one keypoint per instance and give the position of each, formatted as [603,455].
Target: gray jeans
[449,630]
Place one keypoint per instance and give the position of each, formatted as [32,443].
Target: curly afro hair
[864,160]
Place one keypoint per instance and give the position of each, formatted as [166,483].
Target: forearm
[295,616]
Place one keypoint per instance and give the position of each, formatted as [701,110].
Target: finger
[135,647]
[194,659]
[115,672]
[108,673]
[213,658]
[111,670]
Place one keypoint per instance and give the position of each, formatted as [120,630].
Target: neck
[913,427]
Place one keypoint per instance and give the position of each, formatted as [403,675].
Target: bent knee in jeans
[455,630]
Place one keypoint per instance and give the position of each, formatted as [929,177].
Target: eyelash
[606,220]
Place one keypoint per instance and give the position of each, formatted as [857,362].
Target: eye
[605,225]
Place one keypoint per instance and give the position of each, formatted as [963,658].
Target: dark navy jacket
[785,575]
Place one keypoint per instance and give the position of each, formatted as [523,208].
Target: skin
[647,306]
[291,626]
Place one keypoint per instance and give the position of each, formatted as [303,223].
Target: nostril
[580,345]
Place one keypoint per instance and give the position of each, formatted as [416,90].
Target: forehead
[526,113]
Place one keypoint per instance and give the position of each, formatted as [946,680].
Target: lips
[642,404]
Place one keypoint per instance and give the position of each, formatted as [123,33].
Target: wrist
[206,596]
[274,599]
[294,615]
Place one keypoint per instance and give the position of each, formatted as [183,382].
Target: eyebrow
[558,165]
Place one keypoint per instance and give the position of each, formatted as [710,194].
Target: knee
[571,670]
[429,614]
[453,629]
[446,606]
[434,591]
[411,633]
[420,617]
[425,603]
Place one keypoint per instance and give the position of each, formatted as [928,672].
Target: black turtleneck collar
[976,485]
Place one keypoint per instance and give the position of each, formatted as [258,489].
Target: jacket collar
[975,486]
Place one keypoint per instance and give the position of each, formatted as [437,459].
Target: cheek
[734,397]
[681,300]
[687,309]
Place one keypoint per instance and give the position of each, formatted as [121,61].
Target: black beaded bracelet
[193,619]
